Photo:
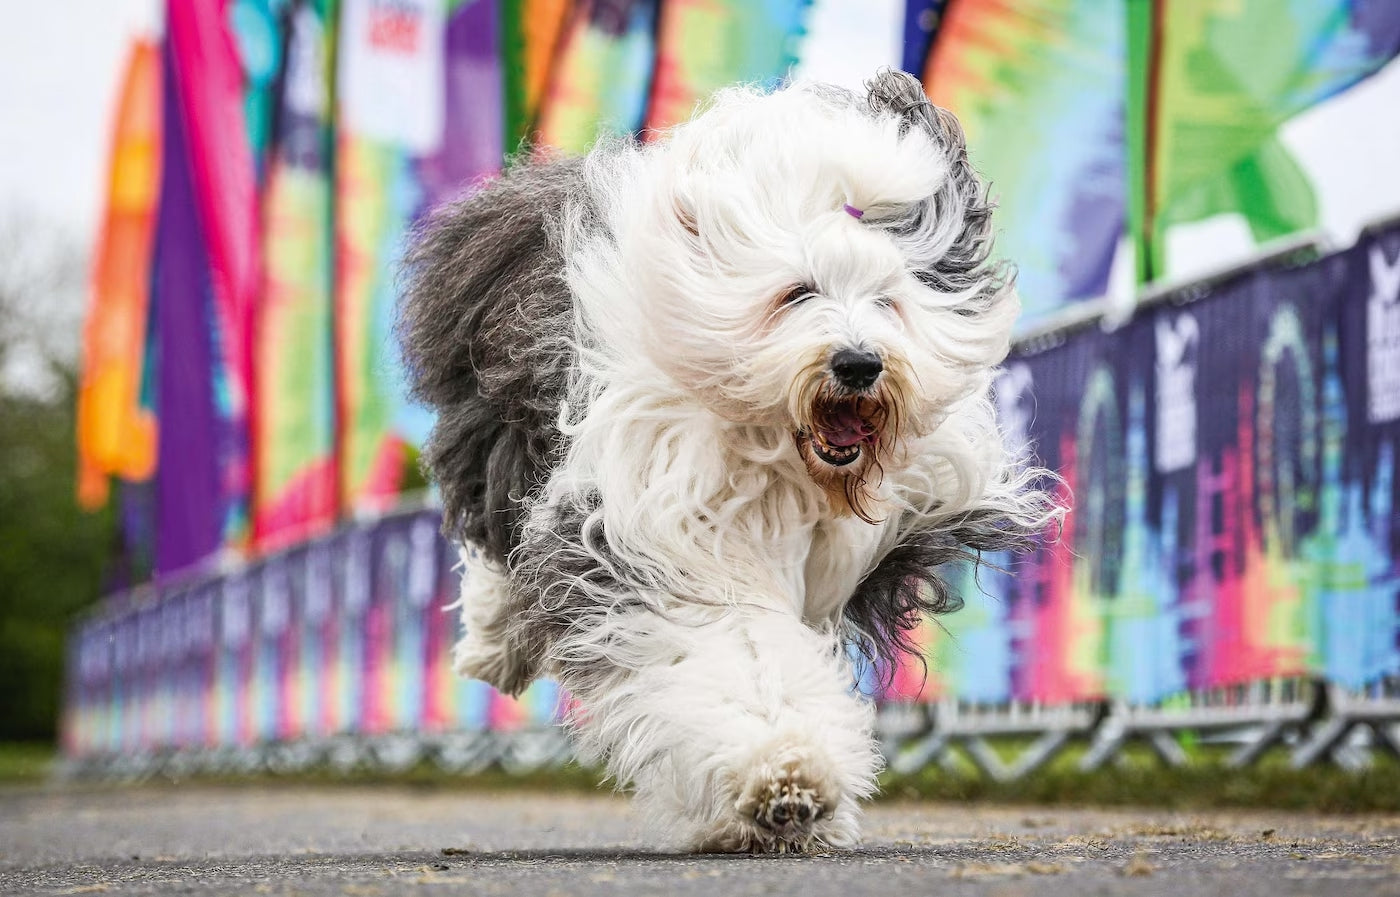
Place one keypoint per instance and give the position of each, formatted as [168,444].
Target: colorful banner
[210,99]
[703,45]
[1040,89]
[1233,469]
[1212,82]
[390,168]
[349,634]
[532,33]
[922,19]
[192,491]
[295,493]
[602,76]
[116,432]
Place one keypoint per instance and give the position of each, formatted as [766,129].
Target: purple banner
[189,495]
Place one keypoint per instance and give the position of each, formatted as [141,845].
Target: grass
[1137,779]
[25,762]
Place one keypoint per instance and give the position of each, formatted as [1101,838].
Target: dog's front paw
[788,801]
[785,813]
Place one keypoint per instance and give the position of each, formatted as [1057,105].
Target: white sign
[392,80]
[1177,343]
[1015,402]
[1383,340]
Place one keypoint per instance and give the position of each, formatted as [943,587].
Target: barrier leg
[1250,752]
[919,754]
[1039,753]
[1321,742]
[1388,737]
[1108,741]
[986,759]
[1167,748]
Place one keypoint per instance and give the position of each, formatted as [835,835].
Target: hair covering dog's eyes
[796,295]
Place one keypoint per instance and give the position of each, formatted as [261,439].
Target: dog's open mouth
[842,427]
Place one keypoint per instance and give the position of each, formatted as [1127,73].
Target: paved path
[383,841]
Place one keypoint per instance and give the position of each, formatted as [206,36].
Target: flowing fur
[630,356]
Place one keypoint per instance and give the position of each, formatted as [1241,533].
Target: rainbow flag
[1039,88]
[210,99]
[116,432]
[530,39]
[294,417]
[703,45]
[1209,92]
[422,118]
[193,494]
[602,75]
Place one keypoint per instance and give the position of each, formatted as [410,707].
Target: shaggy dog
[711,409]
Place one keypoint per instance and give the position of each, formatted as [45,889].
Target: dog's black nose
[856,368]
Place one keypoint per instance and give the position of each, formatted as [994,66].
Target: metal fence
[1232,567]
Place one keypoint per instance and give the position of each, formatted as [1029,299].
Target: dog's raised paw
[785,812]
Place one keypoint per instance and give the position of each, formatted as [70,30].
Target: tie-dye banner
[532,34]
[421,119]
[602,75]
[1233,465]
[210,99]
[1212,82]
[1040,89]
[347,635]
[116,432]
[703,45]
[294,418]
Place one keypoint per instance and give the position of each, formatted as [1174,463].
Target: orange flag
[116,435]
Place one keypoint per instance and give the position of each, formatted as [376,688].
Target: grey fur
[487,330]
[908,583]
[486,326]
[968,263]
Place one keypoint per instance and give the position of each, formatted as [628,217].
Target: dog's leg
[485,651]
[806,756]
[742,734]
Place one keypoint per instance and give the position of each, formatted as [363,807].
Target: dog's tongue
[846,429]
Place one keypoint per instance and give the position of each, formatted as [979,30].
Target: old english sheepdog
[711,409]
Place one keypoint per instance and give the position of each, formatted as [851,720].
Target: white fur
[728,683]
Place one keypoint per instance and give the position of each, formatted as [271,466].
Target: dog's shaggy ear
[908,584]
[963,262]
[484,323]
[901,93]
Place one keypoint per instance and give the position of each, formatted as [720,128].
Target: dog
[712,412]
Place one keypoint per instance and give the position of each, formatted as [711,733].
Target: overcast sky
[59,65]
[60,61]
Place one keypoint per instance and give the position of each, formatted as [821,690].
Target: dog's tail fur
[486,326]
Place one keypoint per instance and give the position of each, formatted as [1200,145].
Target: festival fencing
[1232,466]
[1231,453]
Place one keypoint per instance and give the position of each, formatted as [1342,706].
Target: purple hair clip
[854,212]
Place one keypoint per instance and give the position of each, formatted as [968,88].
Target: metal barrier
[1232,567]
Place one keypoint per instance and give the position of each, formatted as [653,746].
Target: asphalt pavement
[404,841]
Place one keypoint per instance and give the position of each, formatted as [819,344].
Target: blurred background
[217,550]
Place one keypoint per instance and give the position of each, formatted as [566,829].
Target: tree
[52,555]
